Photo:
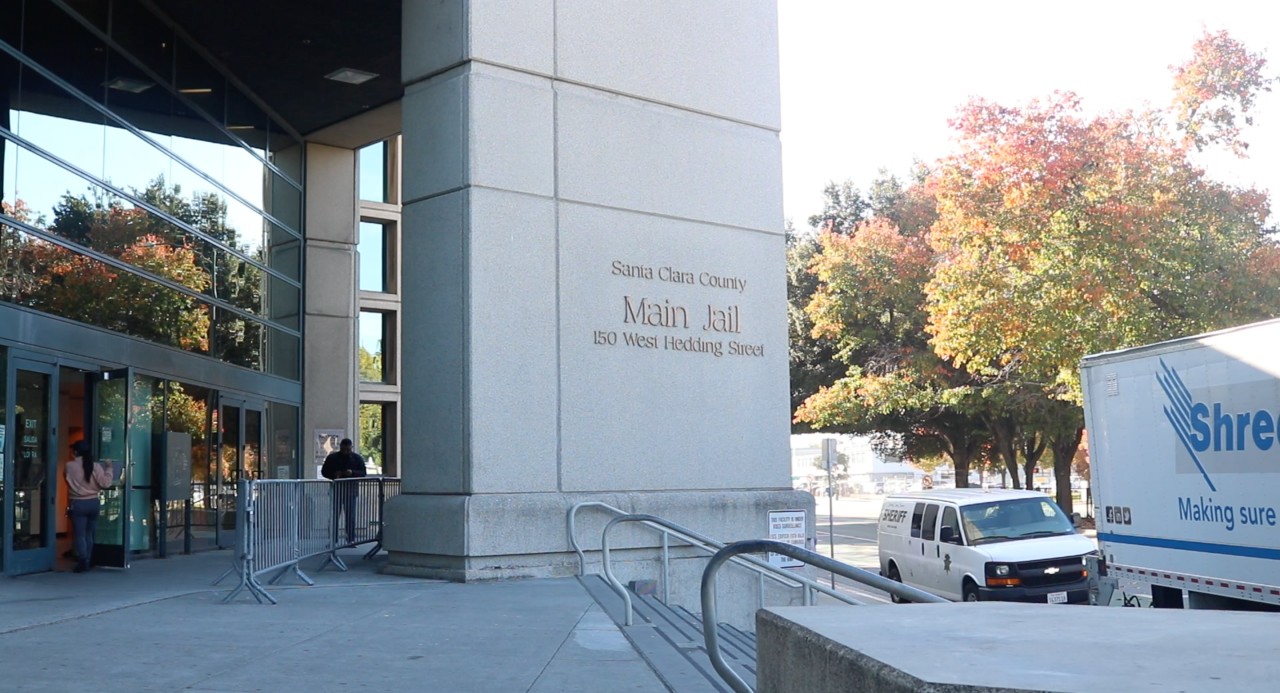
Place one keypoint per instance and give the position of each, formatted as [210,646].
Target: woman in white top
[84,480]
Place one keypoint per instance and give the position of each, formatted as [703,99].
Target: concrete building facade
[537,243]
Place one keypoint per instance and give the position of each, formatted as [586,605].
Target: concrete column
[594,296]
[329,349]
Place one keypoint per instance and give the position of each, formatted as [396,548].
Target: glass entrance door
[110,412]
[28,436]
[239,449]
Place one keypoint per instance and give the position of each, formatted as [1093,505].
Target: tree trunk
[1064,453]
[960,459]
[1032,450]
[1004,431]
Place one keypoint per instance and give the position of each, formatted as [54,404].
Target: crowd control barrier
[282,522]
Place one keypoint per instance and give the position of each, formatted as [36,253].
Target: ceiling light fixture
[239,127]
[129,84]
[350,75]
[196,90]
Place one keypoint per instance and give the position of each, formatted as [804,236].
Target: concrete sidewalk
[161,626]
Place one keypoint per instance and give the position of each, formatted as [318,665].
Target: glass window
[372,346]
[282,446]
[53,279]
[373,256]
[283,353]
[372,169]
[192,485]
[950,520]
[373,435]
[1016,518]
[148,402]
[917,519]
[929,527]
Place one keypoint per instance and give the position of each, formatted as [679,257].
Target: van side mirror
[1075,520]
[948,536]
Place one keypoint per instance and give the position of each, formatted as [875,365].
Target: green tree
[870,302]
[813,360]
[371,440]
[369,365]
[843,208]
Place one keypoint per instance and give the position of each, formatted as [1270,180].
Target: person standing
[339,467]
[85,479]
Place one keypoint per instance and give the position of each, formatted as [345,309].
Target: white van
[980,545]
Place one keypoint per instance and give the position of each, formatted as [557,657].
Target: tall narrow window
[373,172]
[373,256]
[374,436]
[373,346]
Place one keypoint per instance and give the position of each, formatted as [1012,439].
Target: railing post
[666,567]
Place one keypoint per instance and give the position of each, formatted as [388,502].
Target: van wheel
[896,577]
[971,592]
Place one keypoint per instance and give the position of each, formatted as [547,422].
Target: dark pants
[345,494]
[84,520]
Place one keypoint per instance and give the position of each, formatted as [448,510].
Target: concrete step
[729,635]
[671,641]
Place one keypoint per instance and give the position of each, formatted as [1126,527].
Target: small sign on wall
[327,440]
[787,526]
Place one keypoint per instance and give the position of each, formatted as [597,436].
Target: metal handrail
[573,528]
[817,560]
[707,545]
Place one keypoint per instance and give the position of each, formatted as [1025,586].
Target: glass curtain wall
[141,191]
[5,415]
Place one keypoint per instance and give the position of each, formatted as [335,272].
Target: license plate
[1057,597]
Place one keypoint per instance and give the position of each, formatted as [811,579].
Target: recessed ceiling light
[349,75]
[196,90]
[129,84]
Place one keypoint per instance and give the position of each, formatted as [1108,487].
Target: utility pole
[829,461]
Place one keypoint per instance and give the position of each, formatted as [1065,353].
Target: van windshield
[1020,518]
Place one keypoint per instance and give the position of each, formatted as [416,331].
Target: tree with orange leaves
[1053,234]
[1062,234]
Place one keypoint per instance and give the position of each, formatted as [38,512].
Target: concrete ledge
[990,647]
[498,536]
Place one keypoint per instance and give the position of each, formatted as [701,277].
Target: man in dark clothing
[343,467]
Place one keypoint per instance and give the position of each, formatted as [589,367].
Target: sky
[869,85]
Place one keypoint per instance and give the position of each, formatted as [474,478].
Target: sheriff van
[979,545]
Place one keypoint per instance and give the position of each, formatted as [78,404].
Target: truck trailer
[1184,450]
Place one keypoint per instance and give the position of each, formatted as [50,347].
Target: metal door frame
[42,559]
[241,404]
[93,380]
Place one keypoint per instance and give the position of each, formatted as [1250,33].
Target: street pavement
[161,626]
[853,526]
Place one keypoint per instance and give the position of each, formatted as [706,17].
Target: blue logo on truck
[1189,419]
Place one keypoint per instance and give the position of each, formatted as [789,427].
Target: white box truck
[1184,449]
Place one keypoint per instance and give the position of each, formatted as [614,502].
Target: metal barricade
[358,514]
[388,487]
[280,523]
